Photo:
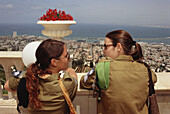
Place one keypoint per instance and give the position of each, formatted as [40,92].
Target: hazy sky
[120,12]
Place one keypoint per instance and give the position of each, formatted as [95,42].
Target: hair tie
[37,62]
[134,42]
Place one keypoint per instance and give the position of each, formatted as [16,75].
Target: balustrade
[84,102]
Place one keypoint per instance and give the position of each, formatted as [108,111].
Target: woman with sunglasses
[45,94]
[128,89]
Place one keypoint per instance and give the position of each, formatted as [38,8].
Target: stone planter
[56,29]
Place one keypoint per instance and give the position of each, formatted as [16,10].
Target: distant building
[14,33]
[91,50]
[101,42]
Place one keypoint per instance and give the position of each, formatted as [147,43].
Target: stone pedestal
[8,59]
[1,93]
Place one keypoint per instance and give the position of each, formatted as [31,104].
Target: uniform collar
[51,77]
[124,58]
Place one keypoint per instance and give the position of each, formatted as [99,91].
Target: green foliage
[79,62]
[5,92]
[2,75]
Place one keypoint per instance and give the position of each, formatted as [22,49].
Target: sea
[94,32]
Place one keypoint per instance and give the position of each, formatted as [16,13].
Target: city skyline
[123,12]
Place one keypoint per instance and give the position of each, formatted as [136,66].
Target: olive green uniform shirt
[128,87]
[51,96]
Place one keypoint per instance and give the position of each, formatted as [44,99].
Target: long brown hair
[125,39]
[46,51]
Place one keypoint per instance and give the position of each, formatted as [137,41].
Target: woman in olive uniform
[45,95]
[128,87]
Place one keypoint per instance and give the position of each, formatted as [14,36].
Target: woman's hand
[72,73]
[6,86]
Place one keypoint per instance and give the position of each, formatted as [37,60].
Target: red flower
[53,15]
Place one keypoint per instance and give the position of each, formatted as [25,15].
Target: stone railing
[8,59]
[84,101]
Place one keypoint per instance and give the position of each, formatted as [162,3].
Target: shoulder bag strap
[151,85]
[66,96]
[152,102]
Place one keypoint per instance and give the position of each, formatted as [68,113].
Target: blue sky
[119,12]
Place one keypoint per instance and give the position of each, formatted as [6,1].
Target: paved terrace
[84,102]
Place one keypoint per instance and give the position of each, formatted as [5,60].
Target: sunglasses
[67,56]
[106,46]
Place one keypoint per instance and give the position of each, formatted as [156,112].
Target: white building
[14,33]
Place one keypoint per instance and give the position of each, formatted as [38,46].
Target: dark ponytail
[137,52]
[32,85]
